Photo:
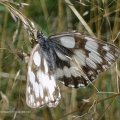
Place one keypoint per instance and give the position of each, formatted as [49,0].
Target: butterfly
[74,59]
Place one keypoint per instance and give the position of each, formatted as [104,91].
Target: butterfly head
[41,38]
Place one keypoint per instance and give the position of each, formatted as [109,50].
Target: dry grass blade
[80,18]
[16,14]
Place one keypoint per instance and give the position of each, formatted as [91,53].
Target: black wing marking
[41,85]
[81,58]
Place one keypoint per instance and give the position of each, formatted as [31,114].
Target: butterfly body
[48,48]
[75,60]
[47,51]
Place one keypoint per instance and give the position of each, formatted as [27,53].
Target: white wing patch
[91,44]
[36,58]
[68,41]
[41,85]
[67,71]
[90,63]
[80,56]
[96,58]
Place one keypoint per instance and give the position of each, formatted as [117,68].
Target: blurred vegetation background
[100,18]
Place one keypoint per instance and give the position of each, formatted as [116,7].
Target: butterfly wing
[41,85]
[80,58]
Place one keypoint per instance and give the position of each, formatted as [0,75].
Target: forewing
[80,58]
[41,85]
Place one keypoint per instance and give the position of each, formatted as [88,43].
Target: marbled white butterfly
[72,58]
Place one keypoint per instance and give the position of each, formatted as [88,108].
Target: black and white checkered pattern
[73,59]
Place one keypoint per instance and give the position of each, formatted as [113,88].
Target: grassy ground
[95,18]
